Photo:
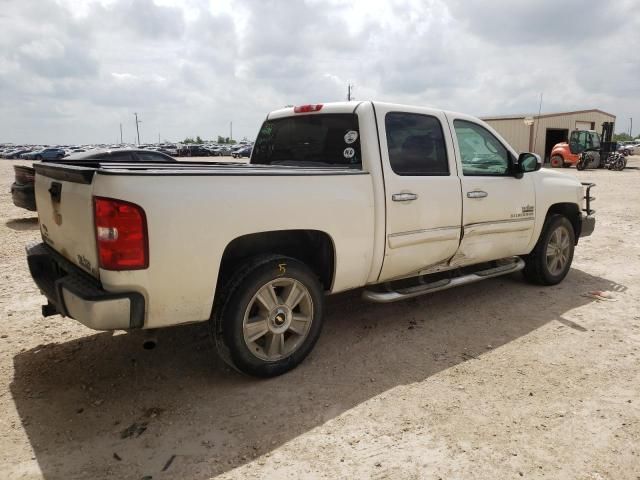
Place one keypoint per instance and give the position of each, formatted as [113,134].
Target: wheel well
[312,247]
[569,210]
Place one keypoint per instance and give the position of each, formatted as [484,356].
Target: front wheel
[551,258]
[269,316]
[556,161]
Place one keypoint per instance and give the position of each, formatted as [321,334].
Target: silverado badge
[527,211]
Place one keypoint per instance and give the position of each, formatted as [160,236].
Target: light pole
[630,126]
[137,129]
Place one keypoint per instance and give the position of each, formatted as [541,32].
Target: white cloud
[190,67]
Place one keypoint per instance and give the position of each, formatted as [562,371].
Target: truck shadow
[101,405]
[20,224]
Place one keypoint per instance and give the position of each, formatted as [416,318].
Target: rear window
[326,140]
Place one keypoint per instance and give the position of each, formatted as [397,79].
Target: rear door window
[319,140]
[416,144]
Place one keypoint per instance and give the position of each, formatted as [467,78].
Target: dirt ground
[494,380]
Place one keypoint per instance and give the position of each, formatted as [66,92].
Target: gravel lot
[494,380]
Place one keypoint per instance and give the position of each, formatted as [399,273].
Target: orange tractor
[566,154]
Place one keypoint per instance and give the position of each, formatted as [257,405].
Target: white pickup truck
[400,200]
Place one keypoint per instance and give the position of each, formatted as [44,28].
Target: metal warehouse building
[539,133]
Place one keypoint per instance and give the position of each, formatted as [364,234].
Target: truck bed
[193,211]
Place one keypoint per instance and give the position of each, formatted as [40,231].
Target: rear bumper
[588,224]
[23,196]
[73,293]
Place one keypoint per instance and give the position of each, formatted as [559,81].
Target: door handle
[477,194]
[404,197]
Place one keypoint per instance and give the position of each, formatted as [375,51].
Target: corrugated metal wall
[517,133]
[514,131]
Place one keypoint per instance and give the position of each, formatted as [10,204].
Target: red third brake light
[307,108]
[121,234]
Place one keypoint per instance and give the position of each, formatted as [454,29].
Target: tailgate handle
[55,191]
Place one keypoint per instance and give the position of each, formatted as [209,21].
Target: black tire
[235,300]
[536,268]
[556,161]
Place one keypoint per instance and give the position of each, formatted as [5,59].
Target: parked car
[44,154]
[625,149]
[242,152]
[13,154]
[22,189]
[630,147]
[171,150]
[400,200]
[194,151]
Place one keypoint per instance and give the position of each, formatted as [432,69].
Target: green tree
[621,137]
[189,140]
[199,140]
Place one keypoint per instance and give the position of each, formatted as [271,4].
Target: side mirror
[529,162]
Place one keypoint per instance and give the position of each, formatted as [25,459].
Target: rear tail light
[307,108]
[121,234]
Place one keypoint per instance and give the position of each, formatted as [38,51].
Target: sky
[72,71]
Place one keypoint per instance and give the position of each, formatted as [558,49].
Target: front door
[422,190]
[498,208]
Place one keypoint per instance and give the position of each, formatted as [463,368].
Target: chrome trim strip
[510,220]
[414,237]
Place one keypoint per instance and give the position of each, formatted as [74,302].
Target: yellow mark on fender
[282,267]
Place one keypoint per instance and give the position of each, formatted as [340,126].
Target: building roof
[544,115]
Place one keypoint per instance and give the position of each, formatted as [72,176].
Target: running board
[515,265]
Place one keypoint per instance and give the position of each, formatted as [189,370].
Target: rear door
[65,211]
[422,190]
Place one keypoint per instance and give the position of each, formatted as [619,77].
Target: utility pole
[158,138]
[230,131]
[121,134]
[630,126]
[137,129]
[349,89]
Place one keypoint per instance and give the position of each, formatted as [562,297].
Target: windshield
[326,140]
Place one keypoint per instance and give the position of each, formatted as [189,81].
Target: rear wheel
[557,161]
[551,258]
[269,316]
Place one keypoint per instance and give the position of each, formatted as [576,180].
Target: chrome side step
[514,264]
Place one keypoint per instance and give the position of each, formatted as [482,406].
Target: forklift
[593,149]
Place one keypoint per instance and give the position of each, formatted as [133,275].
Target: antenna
[535,137]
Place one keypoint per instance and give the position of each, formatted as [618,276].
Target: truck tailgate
[64,199]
